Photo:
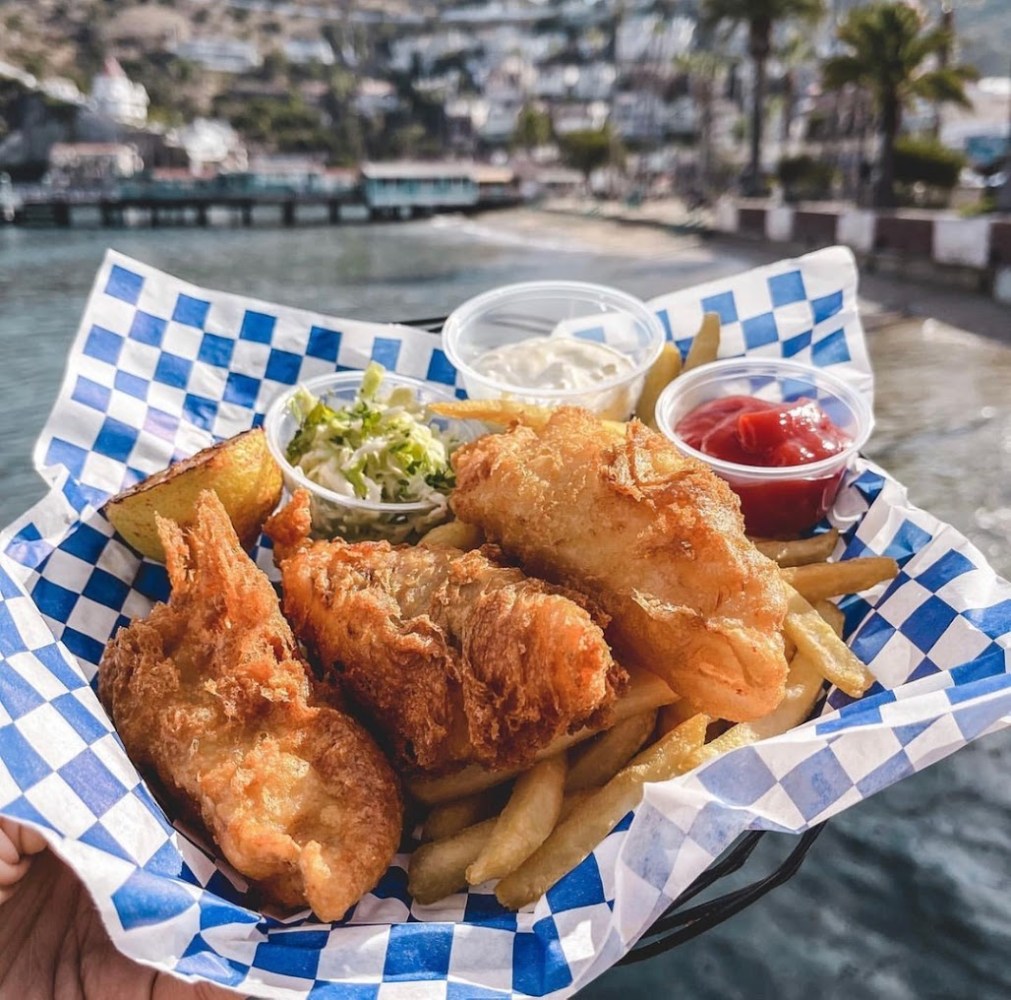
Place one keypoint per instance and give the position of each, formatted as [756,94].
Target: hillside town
[629,99]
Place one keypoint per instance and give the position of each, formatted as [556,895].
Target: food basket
[161,368]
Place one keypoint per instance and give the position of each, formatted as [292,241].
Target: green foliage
[587,150]
[285,124]
[891,54]
[926,161]
[533,128]
[804,177]
[169,82]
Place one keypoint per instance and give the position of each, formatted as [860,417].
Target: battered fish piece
[653,536]
[210,694]
[454,658]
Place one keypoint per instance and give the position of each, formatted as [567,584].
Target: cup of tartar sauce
[555,343]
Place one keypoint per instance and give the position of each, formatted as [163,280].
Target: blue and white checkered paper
[161,368]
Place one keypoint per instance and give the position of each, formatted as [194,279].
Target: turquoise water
[904,896]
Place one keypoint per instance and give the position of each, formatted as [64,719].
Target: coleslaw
[379,449]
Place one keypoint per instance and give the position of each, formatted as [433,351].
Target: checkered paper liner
[161,368]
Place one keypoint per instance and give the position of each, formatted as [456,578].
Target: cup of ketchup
[781,433]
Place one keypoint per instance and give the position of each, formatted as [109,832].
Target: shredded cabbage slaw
[379,449]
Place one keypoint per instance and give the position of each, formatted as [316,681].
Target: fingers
[24,838]
[17,845]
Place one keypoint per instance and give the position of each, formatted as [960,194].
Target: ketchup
[749,431]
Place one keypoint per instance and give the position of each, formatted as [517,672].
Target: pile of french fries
[528,829]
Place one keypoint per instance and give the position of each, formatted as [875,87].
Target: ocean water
[904,896]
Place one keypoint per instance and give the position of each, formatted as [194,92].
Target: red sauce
[749,431]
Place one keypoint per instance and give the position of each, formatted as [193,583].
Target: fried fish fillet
[210,693]
[653,536]
[453,657]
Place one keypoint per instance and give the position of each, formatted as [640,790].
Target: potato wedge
[240,470]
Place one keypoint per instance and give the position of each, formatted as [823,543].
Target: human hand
[18,844]
[54,943]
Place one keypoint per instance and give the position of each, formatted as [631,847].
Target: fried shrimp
[210,694]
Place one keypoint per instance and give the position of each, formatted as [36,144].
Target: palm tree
[760,16]
[893,55]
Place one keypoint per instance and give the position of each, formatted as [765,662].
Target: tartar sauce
[553,363]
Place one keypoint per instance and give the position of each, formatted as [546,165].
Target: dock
[196,210]
[383,192]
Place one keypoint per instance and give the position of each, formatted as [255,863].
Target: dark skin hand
[55,947]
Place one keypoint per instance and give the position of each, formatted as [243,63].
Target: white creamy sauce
[553,363]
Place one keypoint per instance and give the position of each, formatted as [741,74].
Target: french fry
[493,411]
[504,412]
[602,758]
[706,344]
[801,551]
[438,869]
[816,639]
[821,580]
[832,615]
[803,686]
[572,800]
[527,819]
[453,535]
[596,816]
[671,716]
[789,648]
[665,369]
[646,691]
[448,818]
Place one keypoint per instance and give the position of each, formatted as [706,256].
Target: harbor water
[905,896]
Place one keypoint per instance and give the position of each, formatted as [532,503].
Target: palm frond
[838,71]
[941,86]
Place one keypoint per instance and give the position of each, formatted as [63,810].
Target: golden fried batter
[656,538]
[453,657]
[210,694]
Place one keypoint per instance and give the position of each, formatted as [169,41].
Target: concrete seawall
[974,252]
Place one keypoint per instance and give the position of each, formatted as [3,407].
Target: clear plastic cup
[334,514]
[779,501]
[560,326]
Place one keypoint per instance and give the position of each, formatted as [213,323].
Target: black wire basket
[681,922]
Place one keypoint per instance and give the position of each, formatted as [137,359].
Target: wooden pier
[191,209]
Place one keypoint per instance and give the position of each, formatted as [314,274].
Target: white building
[92,164]
[210,145]
[116,96]
[653,40]
[303,51]
[224,55]
[375,98]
